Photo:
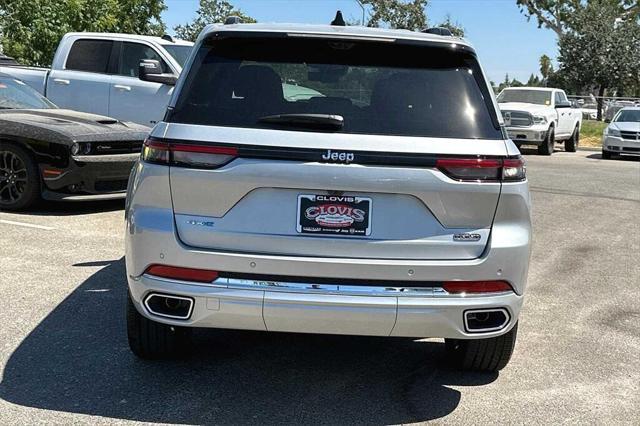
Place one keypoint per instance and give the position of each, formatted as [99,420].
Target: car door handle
[61,81]
[122,87]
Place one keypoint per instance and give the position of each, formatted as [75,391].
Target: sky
[504,40]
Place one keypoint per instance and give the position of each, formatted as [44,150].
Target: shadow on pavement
[598,156]
[71,208]
[533,150]
[77,360]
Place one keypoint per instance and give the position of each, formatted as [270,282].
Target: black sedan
[51,153]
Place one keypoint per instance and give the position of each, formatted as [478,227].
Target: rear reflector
[187,155]
[456,287]
[482,169]
[183,274]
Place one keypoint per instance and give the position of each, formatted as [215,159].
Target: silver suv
[334,180]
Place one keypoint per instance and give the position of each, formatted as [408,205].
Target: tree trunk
[600,101]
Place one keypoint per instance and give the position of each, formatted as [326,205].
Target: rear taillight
[187,155]
[183,274]
[457,287]
[513,169]
[483,169]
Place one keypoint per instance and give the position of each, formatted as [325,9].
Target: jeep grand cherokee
[336,180]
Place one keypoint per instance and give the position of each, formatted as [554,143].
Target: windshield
[179,53]
[538,97]
[628,115]
[376,88]
[14,94]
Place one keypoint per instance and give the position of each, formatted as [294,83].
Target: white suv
[335,180]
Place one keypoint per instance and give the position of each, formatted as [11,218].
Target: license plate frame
[339,215]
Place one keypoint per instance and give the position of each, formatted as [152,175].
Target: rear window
[89,55]
[378,88]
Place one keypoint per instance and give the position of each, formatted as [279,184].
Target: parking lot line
[26,225]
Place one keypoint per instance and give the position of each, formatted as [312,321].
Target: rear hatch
[380,151]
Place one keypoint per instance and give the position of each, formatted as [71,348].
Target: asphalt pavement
[64,357]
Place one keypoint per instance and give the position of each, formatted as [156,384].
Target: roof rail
[441,31]
[168,38]
[233,19]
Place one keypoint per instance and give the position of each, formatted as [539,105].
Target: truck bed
[33,76]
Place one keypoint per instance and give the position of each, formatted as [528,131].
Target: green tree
[209,12]
[397,14]
[31,29]
[404,14]
[534,81]
[601,50]
[546,68]
[559,15]
[455,27]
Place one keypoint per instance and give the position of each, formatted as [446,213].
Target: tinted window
[89,55]
[538,97]
[628,115]
[14,94]
[131,55]
[179,52]
[378,88]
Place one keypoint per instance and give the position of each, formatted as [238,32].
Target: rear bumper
[151,238]
[324,311]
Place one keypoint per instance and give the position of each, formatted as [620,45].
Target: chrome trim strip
[333,289]
[172,296]
[107,158]
[507,317]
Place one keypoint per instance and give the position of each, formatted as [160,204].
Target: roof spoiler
[233,19]
[441,31]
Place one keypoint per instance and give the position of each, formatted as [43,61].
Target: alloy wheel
[13,177]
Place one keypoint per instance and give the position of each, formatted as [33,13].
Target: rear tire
[548,144]
[153,340]
[487,355]
[571,144]
[19,178]
[606,155]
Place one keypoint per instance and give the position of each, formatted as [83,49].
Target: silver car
[381,198]
[622,135]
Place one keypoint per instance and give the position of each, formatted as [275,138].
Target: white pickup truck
[540,116]
[99,73]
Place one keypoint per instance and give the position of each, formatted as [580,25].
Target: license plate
[334,215]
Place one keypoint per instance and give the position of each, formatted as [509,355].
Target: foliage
[558,15]
[546,69]
[209,12]
[601,50]
[455,27]
[397,14]
[31,29]
[405,14]
[508,83]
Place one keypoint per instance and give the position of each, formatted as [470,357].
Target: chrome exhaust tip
[169,306]
[486,320]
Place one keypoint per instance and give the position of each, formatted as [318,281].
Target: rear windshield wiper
[312,121]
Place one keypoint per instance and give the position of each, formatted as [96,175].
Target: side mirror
[151,70]
[563,104]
